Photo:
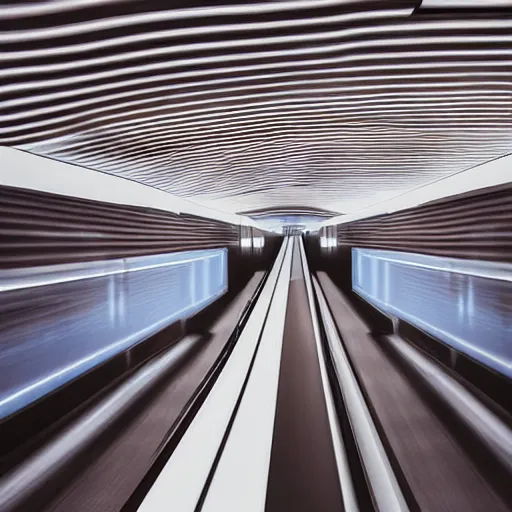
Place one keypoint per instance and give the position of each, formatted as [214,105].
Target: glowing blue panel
[58,322]
[466,304]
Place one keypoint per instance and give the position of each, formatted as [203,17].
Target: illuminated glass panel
[466,304]
[58,322]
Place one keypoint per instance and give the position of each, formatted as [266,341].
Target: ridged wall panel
[39,229]
[475,227]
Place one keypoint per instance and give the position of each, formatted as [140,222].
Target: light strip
[215,111]
[348,493]
[242,73]
[478,268]
[159,16]
[240,116]
[319,109]
[116,120]
[23,278]
[140,153]
[307,84]
[20,10]
[137,159]
[385,488]
[34,471]
[336,35]
[494,432]
[360,152]
[262,55]
[204,30]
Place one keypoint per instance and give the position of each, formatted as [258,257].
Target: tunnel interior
[256,256]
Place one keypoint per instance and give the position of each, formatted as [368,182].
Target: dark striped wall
[39,229]
[475,227]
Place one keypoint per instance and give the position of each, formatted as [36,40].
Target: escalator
[290,400]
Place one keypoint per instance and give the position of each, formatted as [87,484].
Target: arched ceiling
[327,104]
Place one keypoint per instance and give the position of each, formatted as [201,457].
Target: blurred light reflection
[466,304]
[52,333]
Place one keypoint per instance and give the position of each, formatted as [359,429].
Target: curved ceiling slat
[308,104]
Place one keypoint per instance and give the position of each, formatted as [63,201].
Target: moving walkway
[291,400]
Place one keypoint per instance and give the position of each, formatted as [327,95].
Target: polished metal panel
[54,329]
[466,304]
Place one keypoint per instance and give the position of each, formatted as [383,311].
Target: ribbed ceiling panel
[332,104]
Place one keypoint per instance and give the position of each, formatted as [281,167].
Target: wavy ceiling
[326,104]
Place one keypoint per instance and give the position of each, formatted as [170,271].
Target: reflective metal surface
[54,329]
[466,304]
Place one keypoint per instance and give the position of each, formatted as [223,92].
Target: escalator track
[300,407]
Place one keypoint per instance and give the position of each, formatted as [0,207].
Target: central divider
[303,474]
[348,492]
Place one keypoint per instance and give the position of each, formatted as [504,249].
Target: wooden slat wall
[39,229]
[475,227]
